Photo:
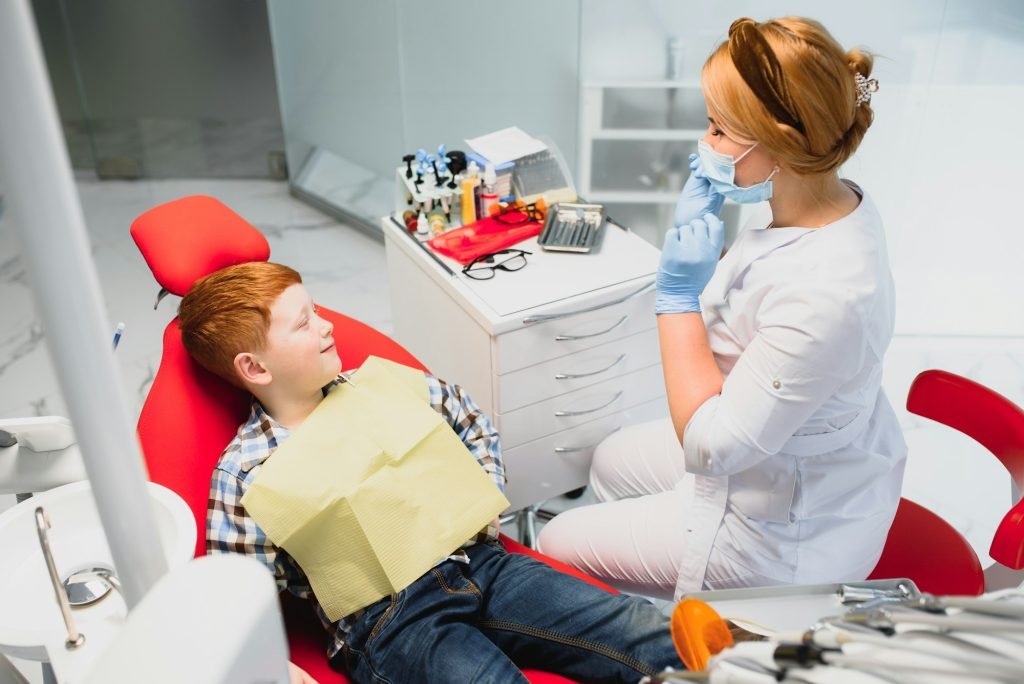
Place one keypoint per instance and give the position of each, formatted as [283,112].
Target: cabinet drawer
[581,406]
[576,371]
[549,339]
[558,463]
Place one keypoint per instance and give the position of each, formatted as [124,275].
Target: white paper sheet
[506,145]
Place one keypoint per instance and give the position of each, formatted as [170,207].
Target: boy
[478,615]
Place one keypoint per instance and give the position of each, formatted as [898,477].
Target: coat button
[776,384]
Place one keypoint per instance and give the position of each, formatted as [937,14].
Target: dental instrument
[968,604]
[832,635]
[117,333]
[75,638]
[772,661]
[89,585]
[902,596]
[889,618]
[438,180]
[854,593]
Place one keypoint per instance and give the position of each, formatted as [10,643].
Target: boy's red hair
[228,312]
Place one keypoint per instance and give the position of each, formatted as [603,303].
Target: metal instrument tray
[573,228]
[796,607]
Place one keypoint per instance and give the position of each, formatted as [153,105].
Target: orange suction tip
[698,633]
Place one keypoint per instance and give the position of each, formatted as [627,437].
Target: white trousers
[633,539]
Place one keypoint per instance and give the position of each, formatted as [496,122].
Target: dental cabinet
[559,354]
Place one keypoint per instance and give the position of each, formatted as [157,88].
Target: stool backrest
[993,421]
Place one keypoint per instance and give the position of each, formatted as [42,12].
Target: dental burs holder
[573,228]
[75,638]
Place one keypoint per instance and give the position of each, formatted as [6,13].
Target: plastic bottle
[409,219]
[489,192]
[422,227]
[438,223]
[468,185]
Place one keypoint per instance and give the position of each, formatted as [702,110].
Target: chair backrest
[993,421]
[190,415]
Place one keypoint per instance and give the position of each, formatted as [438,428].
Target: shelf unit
[620,126]
[637,180]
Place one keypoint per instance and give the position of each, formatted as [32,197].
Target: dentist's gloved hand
[688,261]
[698,196]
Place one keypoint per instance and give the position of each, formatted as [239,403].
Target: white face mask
[720,170]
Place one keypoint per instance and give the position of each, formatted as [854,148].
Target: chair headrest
[188,238]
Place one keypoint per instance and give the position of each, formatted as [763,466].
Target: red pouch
[486,236]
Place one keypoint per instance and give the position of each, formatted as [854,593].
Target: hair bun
[860,62]
[742,21]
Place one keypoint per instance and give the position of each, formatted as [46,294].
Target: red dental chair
[190,415]
[924,547]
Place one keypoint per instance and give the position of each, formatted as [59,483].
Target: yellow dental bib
[372,489]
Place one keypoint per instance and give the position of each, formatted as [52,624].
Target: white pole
[46,213]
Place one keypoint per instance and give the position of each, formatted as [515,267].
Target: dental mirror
[88,585]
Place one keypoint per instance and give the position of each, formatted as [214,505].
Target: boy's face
[299,354]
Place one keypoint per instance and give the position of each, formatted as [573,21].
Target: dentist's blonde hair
[789,86]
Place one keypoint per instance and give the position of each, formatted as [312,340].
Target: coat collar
[752,244]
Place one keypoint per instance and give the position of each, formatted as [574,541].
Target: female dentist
[783,459]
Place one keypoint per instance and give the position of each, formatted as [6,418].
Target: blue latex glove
[688,261]
[698,196]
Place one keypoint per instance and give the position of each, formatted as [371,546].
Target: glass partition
[362,84]
[156,89]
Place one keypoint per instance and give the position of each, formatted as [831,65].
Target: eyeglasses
[484,266]
[517,213]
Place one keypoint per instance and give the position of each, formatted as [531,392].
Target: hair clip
[865,86]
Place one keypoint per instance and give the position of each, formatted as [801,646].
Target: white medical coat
[799,461]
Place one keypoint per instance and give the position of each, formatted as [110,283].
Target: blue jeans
[484,621]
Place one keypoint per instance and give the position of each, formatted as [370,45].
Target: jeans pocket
[370,622]
[452,579]
[382,619]
[358,669]
[360,655]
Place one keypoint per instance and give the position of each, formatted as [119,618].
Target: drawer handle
[573,376]
[570,338]
[552,317]
[570,450]
[565,414]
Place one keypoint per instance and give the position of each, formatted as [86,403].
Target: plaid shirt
[229,529]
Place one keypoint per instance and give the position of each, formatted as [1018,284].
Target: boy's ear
[251,370]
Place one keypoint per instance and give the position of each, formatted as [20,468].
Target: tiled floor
[345,270]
